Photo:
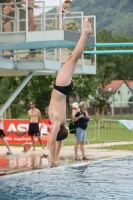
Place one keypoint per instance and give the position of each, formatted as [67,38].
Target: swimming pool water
[107,179]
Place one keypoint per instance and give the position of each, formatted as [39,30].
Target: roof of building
[114,85]
[129,83]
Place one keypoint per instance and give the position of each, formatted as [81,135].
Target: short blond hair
[67,1]
[81,104]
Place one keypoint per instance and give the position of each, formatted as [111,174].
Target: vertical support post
[44,17]
[17,19]
[112,108]
[82,18]
[95,56]
[44,28]
[60,55]
[1,22]
[1,18]
[60,16]
[17,27]
[16,92]
[60,26]
[26,22]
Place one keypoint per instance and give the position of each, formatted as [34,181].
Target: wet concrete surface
[23,162]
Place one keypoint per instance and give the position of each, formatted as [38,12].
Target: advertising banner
[16,131]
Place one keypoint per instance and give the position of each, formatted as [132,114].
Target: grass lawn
[128,147]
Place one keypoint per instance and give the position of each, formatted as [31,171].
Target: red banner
[16,131]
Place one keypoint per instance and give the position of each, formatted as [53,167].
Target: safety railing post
[26,18]
[82,19]
[44,17]
[17,19]
[95,56]
[60,15]
[91,130]
[1,22]
[0,18]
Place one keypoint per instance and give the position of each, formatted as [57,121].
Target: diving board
[43,60]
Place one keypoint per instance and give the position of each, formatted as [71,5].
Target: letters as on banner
[16,131]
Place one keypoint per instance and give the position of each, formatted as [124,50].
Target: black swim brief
[34,129]
[64,89]
[29,8]
[6,20]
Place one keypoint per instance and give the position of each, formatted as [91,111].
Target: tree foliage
[5,90]
[114,15]
[38,89]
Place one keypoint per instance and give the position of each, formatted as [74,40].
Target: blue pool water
[108,179]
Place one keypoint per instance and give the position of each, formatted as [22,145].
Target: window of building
[119,92]
[128,92]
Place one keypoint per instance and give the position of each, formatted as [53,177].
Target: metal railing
[113,130]
[44,21]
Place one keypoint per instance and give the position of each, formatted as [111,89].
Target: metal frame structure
[19,40]
[42,39]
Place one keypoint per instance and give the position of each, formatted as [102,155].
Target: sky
[52,3]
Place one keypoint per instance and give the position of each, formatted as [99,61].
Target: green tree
[100,97]
[109,14]
[5,89]
[38,89]
[130,102]
[72,25]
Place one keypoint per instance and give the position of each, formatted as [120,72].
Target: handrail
[14,3]
[7,16]
[70,13]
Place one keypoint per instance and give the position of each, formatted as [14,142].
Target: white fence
[113,130]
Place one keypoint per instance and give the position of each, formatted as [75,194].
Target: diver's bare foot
[33,149]
[9,151]
[87,25]
[52,165]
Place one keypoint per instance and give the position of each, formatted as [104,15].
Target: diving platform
[41,66]
[52,46]
[52,39]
